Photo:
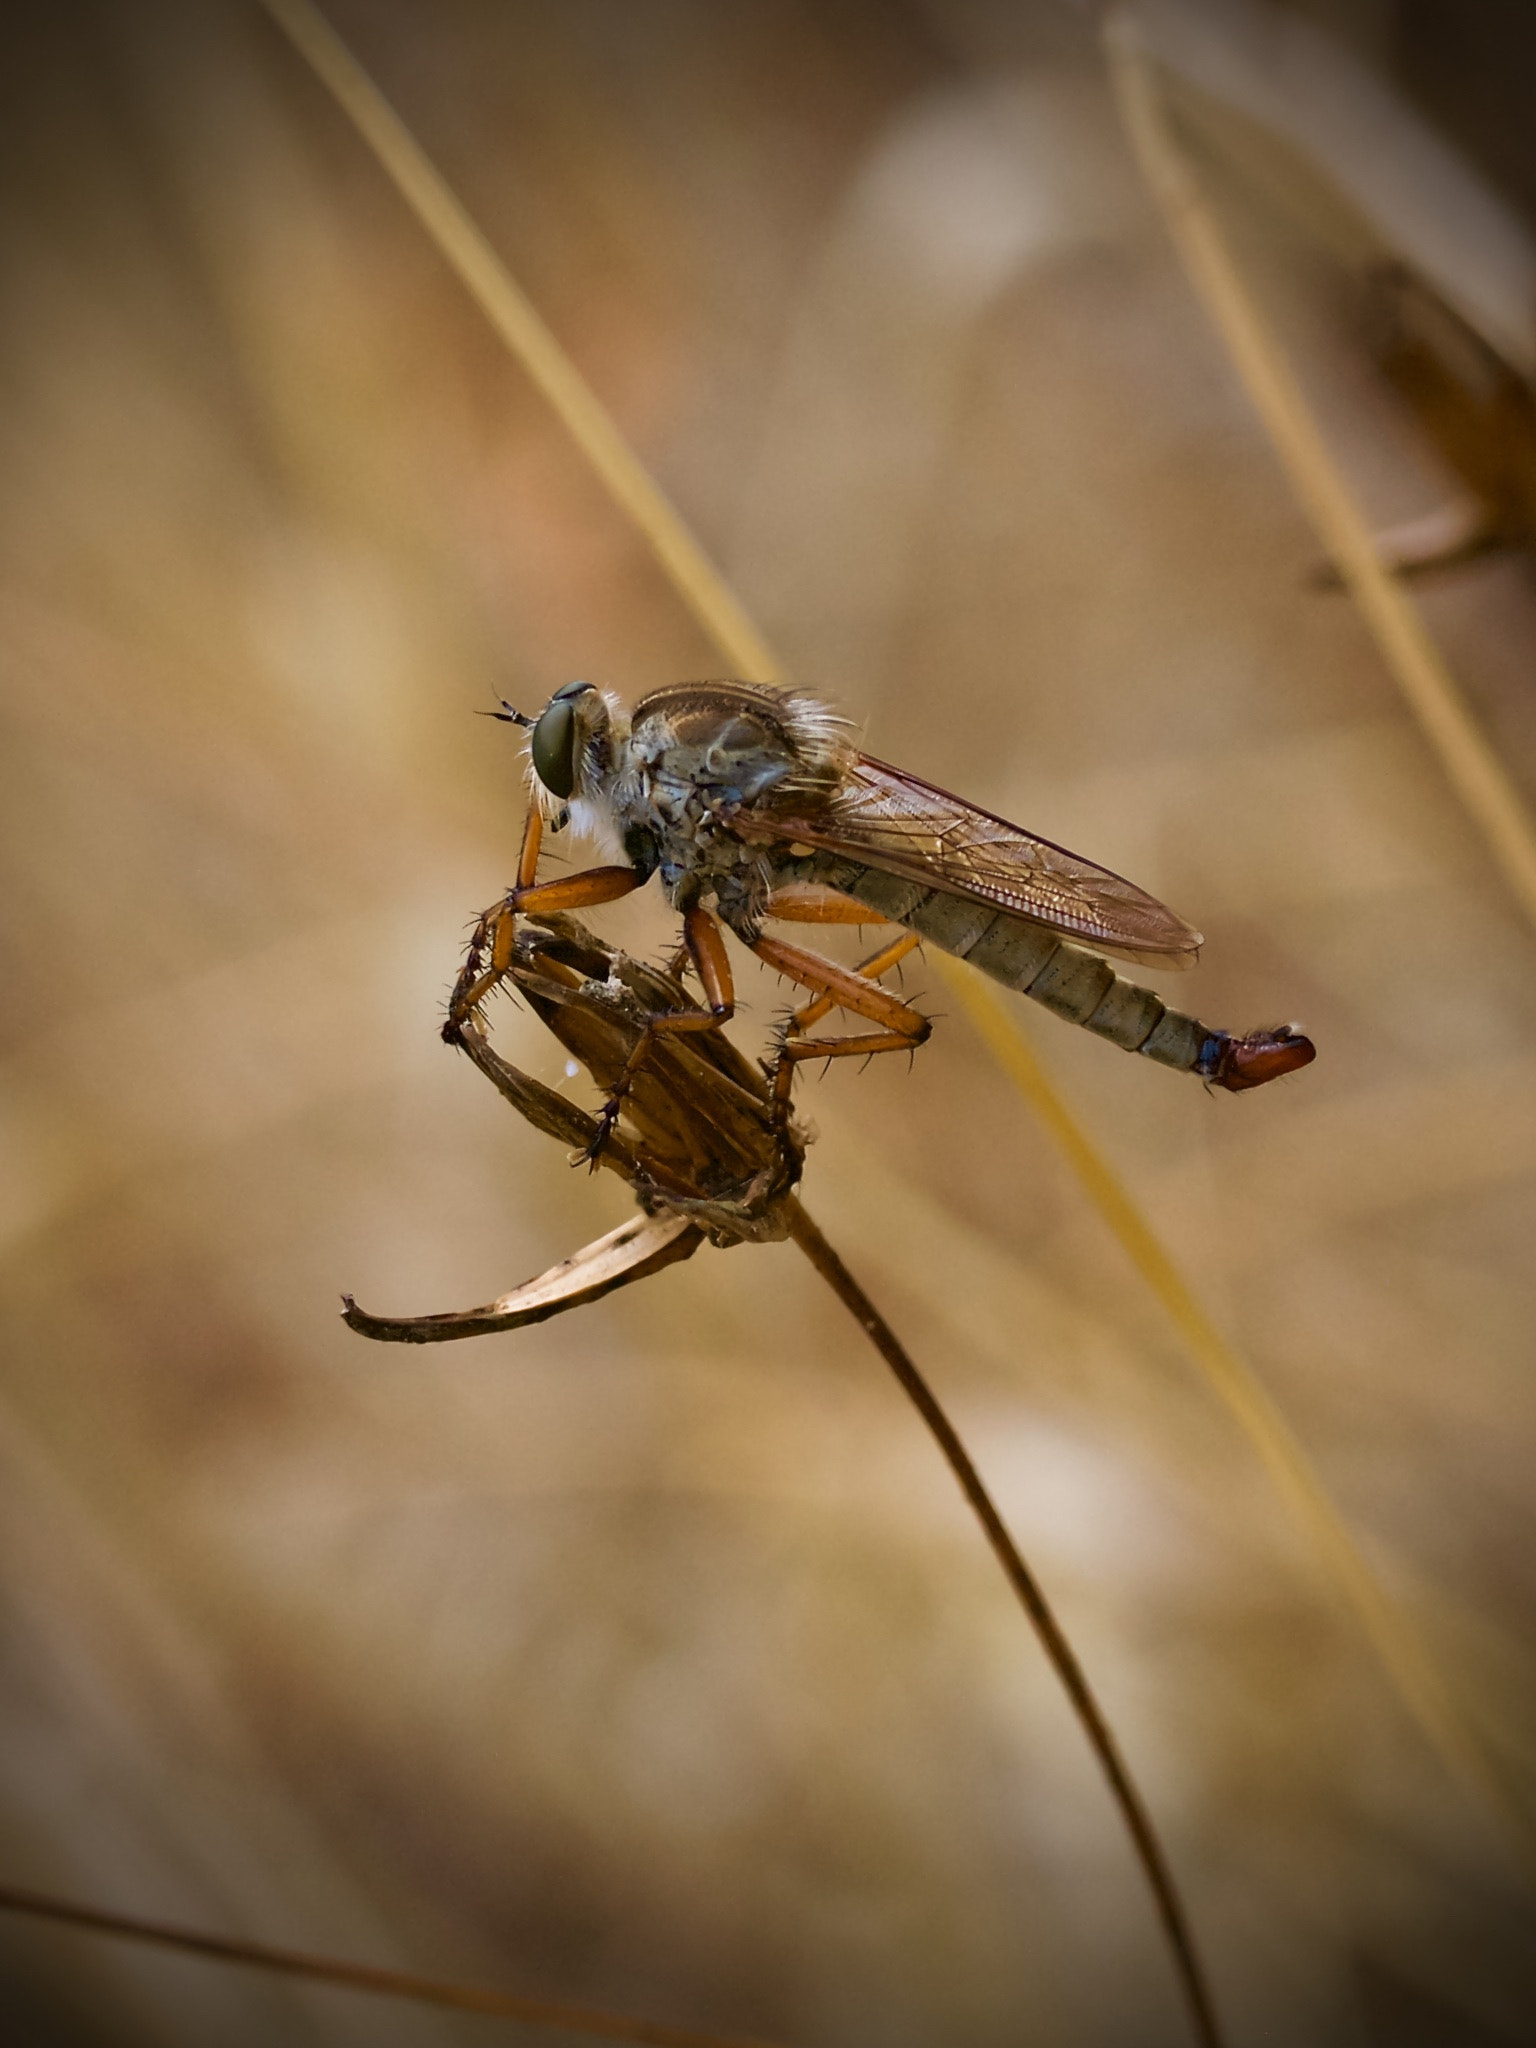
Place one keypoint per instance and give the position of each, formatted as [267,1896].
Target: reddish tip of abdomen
[1261,1056]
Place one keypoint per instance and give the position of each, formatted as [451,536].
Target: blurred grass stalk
[552,2015]
[1470,764]
[1471,767]
[708,598]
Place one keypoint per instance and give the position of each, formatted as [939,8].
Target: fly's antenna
[508,714]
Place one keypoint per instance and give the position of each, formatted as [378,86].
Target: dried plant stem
[1053,1640]
[1471,766]
[534,2012]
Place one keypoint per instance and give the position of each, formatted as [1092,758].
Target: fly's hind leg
[704,944]
[815,903]
[901,1028]
[496,933]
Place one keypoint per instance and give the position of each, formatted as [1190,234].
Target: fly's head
[577,749]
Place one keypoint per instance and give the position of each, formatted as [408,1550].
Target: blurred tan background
[647,1657]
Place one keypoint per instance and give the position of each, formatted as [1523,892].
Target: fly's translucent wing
[906,827]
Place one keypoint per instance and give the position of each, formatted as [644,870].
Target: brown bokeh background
[647,1657]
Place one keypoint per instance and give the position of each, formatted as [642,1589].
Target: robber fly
[754,804]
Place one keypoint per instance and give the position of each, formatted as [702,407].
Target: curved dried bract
[639,1247]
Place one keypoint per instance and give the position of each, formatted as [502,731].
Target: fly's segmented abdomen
[1032,959]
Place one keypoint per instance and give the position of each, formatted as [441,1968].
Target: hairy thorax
[703,762]
[680,828]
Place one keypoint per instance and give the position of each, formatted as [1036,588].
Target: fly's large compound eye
[554,746]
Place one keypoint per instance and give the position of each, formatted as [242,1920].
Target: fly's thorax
[675,832]
[691,783]
[703,763]
[740,746]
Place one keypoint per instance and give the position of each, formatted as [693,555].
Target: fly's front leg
[473,982]
[497,930]
[704,944]
[901,1028]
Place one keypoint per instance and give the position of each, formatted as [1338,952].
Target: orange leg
[900,1027]
[870,970]
[814,903]
[704,944]
[498,928]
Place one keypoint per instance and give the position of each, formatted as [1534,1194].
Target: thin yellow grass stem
[707,596]
[1471,766]
[1031,1598]
[1410,1667]
[553,2014]
[703,590]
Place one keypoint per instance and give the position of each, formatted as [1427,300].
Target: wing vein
[914,830]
